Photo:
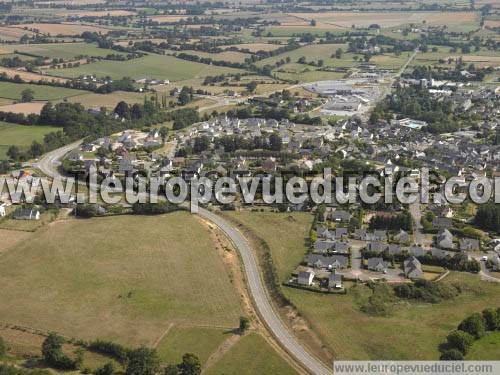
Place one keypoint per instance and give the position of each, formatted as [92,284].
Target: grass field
[153,66]
[20,135]
[413,332]
[251,355]
[486,348]
[13,91]
[122,278]
[285,233]
[60,50]
[196,340]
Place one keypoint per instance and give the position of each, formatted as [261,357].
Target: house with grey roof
[440,253]
[340,216]
[334,280]
[380,235]
[377,264]
[413,268]
[376,246]
[444,239]
[469,244]
[361,234]
[341,233]
[442,223]
[327,261]
[402,237]
[324,232]
[323,246]
[416,251]
[305,278]
[341,247]
[394,249]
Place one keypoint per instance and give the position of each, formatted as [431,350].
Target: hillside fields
[122,278]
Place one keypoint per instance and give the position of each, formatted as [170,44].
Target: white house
[305,277]
[2,210]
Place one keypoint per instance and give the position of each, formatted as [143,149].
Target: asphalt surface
[49,163]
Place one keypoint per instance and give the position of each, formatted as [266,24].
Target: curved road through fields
[48,164]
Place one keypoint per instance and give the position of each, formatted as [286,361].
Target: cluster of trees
[54,357]
[427,291]
[183,117]
[232,143]
[458,262]
[470,329]
[488,217]
[397,222]
[418,103]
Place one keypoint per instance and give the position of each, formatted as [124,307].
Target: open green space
[61,50]
[251,355]
[152,66]
[285,233]
[13,91]
[486,348]
[200,341]
[414,330]
[20,135]
[121,278]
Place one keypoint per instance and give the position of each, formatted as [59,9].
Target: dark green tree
[142,361]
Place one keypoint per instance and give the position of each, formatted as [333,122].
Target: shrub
[460,341]
[492,319]
[474,325]
[452,355]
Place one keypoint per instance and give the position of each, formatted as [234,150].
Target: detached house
[469,244]
[305,278]
[413,268]
[377,264]
[444,239]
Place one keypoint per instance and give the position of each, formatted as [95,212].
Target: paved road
[416,214]
[49,163]
[259,294]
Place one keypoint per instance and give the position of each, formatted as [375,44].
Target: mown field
[414,331]
[13,91]
[60,50]
[285,233]
[153,66]
[20,135]
[486,349]
[197,340]
[122,278]
[251,355]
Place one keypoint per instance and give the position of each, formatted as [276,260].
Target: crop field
[8,33]
[152,271]
[310,52]
[96,13]
[24,108]
[20,135]
[60,50]
[92,100]
[13,91]
[388,19]
[486,348]
[28,76]
[251,355]
[153,66]
[69,29]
